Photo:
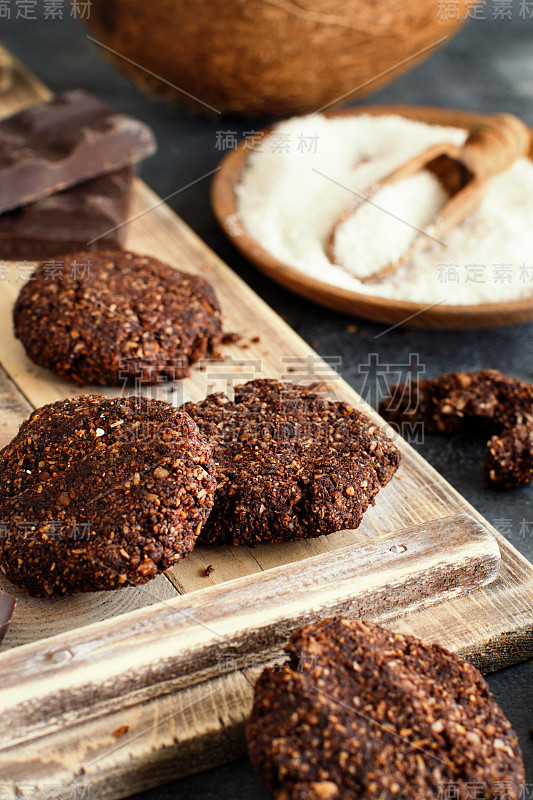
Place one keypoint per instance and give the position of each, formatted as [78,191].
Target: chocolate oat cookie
[290,464]
[112,316]
[486,398]
[486,401]
[101,494]
[361,712]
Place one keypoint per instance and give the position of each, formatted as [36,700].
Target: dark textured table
[488,67]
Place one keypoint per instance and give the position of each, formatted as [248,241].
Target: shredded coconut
[380,231]
[290,197]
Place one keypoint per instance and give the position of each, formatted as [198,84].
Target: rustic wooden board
[192,639]
[147,731]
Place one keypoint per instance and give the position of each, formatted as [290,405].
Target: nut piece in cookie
[101,494]
[290,464]
[359,711]
[109,317]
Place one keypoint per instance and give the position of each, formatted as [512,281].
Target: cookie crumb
[230,338]
[122,731]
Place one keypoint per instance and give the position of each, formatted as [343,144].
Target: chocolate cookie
[361,712]
[486,401]
[101,494]
[290,464]
[113,316]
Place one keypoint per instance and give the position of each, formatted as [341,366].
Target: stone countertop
[488,67]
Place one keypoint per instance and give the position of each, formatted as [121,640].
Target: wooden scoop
[462,171]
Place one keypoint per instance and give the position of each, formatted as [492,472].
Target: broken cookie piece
[487,401]
[510,459]
[486,398]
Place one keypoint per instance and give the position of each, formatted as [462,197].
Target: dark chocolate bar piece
[54,145]
[7,606]
[89,216]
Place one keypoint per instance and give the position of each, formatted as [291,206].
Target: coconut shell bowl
[278,57]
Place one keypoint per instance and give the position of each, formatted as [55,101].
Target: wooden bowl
[378,309]
[268,56]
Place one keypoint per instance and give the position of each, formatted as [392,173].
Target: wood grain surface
[135,700]
[195,638]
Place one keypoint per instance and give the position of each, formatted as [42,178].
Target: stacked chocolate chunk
[67,167]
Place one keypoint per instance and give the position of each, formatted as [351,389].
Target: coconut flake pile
[379,233]
[303,178]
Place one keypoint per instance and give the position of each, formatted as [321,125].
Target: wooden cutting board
[119,691]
